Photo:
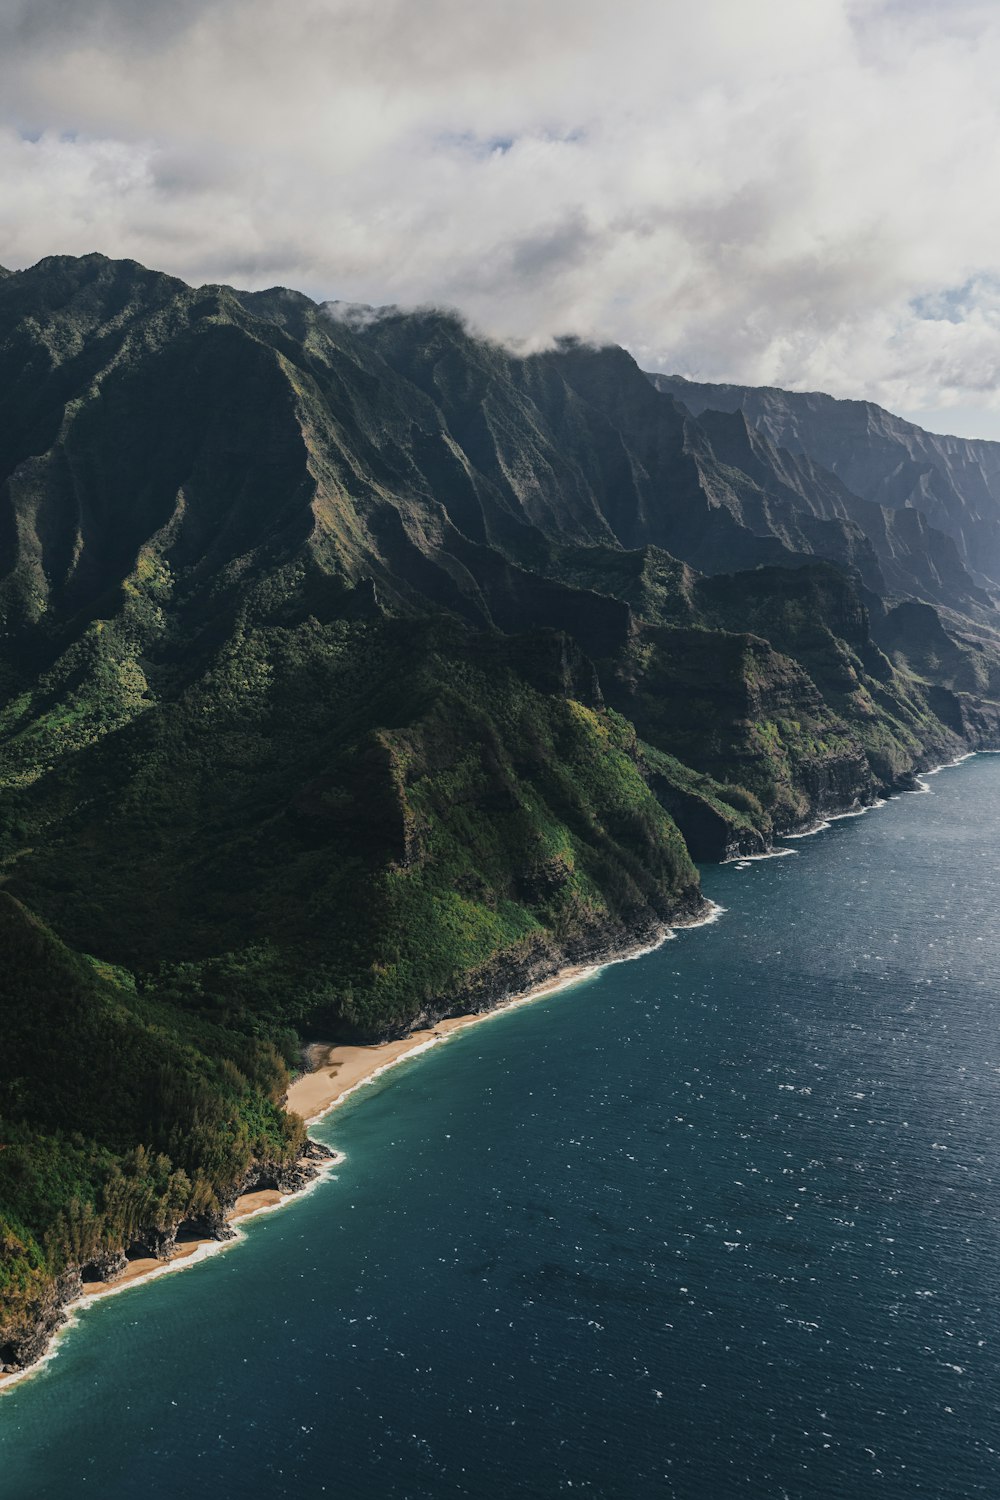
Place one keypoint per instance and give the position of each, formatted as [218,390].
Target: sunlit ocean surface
[723,1221]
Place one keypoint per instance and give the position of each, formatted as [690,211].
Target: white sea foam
[713,915]
[807,833]
[831,818]
[945,765]
[749,859]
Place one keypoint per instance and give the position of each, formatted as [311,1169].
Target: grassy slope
[367,820]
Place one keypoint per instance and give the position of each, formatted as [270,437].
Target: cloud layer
[784,192]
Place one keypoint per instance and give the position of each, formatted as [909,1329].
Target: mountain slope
[953,482]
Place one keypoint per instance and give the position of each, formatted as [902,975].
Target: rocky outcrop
[711,835]
[159,1243]
[111,1266]
[24,1344]
[26,1340]
[271,1177]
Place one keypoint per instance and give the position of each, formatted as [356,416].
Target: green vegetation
[351,675]
[91,1067]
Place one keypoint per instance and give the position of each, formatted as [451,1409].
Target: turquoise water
[724,1221]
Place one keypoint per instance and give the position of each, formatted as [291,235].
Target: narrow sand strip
[143,1268]
[188,1252]
[338,1071]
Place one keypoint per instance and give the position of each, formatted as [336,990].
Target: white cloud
[794,192]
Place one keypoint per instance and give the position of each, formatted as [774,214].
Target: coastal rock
[883,464]
[709,833]
[159,1243]
[29,1341]
[107,1267]
[280,1177]
[212,1226]
[294,1179]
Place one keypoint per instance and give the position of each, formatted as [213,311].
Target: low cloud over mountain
[782,193]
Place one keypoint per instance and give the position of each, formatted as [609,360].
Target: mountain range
[355,670]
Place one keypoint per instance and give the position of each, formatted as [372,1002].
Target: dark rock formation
[27,1343]
[110,1266]
[953,483]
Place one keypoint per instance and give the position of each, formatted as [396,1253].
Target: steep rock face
[685,497]
[776,492]
[194,439]
[914,636]
[958,669]
[890,549]
[174,443]
[816,615]
[128,442]
[746,715]
[713,828]
[25,1336]
[954,482]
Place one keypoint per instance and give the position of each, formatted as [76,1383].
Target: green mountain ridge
[355,672]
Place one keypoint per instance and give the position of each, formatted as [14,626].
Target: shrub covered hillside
[354,671]
[122,1117]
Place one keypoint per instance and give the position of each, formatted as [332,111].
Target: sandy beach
[337,1071]
[146,1266]
[334,1073]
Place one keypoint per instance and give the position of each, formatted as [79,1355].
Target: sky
[784,192]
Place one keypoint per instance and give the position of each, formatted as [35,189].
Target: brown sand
[335,1073]
[338,1071]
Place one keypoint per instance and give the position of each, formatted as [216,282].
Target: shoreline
[338,1071]
[348,1069]
[826,820]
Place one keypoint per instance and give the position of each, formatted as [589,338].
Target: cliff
[951,482]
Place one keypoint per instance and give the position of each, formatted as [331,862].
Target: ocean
[721,1221]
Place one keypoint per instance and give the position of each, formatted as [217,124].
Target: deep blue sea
[723,1221]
